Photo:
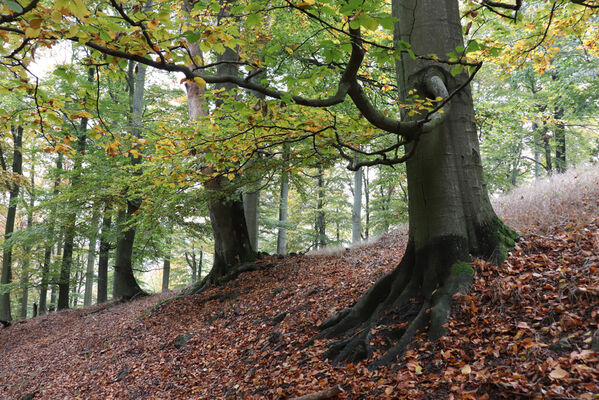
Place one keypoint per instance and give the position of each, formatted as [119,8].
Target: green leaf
[12,5]
[253,19]
[368,22]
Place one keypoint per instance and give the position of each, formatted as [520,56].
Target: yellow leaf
[558,373]
[77,8]
[466,369]
[199,81]
[231,176]
[306,4]
[31,32]
[389,390]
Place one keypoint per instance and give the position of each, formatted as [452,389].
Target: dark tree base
[420,288]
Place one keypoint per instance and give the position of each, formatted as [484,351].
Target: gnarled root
[421,292]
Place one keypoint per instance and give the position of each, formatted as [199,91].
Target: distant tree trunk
[24,281]
[166,266]
[67,254]
[560,142]
[49,244]
[9,227]
[91,257]
[231,239]
[537,150]
[367,202]
[321,237]
[356,216]
[283,201]
[104,256]
[125,284]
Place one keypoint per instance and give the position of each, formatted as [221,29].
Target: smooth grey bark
[283,204]
[560,141]
[125,285]
[43,308]
[104,256]
[91,258]
[9,227]
[251,205]
[356,215]
[450,215]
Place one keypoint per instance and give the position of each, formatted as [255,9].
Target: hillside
[525,330]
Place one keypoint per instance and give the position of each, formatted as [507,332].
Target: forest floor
[523,332]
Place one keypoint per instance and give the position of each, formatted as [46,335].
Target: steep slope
[524,331]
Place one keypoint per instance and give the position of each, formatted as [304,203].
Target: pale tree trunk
[251,204]
[43,308]
[103,256]
[283,201]
[356,215]
[321,236]
[450,215]
[125,285]
[232,245]
[9,227]
[6,275]
[367,202]
[24,281]
[560,141]
[91,258]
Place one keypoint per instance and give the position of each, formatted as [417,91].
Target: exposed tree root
[205,283]
[397,290]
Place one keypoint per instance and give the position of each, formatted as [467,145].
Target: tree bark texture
[450,216]
[24,282]
[321,235]
[9,227]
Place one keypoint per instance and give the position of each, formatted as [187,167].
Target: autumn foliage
[525,331]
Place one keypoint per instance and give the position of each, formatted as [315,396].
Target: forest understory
[528,329]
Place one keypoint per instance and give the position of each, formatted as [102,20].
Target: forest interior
[299,199]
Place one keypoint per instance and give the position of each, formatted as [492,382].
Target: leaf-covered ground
[523,332]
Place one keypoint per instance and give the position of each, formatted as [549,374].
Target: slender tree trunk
[104,256]
[24,281]
[166,265]
[450,215]
[9,227]
[191,262]
[537,150]
[367,202]
[283,201]
[67,254]
[91,257]
[560,142]
[356,216]
[321,236]
[43,308]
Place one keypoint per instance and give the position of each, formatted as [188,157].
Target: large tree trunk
[450,214]
[166,265]
[9,227]
[232,245]
[251,204]
[104,256]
